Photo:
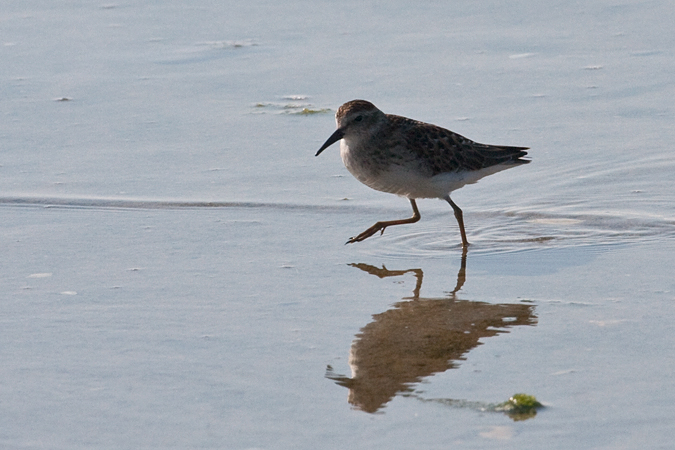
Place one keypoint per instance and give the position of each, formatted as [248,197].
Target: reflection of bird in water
[417,338]
[419,275]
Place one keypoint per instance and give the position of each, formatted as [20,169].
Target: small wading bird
[412,159]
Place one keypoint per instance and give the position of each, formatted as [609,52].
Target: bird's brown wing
[446,151]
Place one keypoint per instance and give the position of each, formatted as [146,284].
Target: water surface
[172,255]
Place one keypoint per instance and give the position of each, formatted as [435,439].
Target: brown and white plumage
[412,159]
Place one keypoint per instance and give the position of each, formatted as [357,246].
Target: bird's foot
[379,226]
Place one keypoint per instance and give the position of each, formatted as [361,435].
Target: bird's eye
[358,118]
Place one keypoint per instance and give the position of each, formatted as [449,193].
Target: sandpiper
[412,159]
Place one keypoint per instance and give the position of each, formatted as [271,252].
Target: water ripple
[489,232]
[501,232]
[130,203]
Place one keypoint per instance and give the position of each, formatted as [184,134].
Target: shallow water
[172,254]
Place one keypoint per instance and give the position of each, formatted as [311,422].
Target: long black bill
[339,134]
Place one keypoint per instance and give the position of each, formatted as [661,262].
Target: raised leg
[460,220]
[380,226]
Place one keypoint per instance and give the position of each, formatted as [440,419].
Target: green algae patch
[294,107]
[307,111]
[520,406]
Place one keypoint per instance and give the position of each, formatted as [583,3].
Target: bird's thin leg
[460,220]
[380,226]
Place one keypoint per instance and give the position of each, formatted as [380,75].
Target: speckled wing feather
[446,151]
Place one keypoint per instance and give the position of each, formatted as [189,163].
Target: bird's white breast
[407,179]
